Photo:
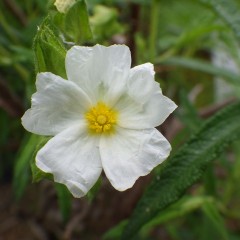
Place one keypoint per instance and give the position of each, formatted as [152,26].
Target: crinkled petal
[101,71]
[141,83]
[143,105]
[136,115]
[56,105]
[129,154]
[73,158]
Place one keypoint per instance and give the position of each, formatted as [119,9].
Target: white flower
[102,117]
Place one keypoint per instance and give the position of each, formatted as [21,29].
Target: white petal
[99,67]
[141,83]
[73,158]
[137,115]
[143,106]
[129,154]
[56,105]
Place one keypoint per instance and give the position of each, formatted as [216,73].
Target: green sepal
[49,51]
[38,174]
[74,24]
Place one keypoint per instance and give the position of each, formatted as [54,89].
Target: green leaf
[75,23]
[206,67]
[115,232]
[64,197]
[188,113]
[94,190]
[49,51]
[64,200]
[186,166]
[184,206]
[228,10]
[216,220]
[196,34]
[38,174]
[22,170]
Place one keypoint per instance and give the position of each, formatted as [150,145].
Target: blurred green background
[194,46]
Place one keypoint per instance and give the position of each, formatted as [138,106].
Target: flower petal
[129,154]
[98,67]
[137,115]
[57,104]
[141,83]
[73,158]
[143,106]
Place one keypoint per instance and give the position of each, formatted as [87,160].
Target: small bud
[63,5]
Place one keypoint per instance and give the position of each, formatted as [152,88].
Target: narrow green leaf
[196,33]
[64,196]
[21,169]
[228,10]
[94,190]
[188,113]
[206,67]
[64,200]
[186,166]
[184,206]
[115,232]
[216,219]
[49,51]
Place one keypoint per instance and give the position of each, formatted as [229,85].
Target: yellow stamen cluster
[101,118]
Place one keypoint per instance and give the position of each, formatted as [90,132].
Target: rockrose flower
[101,118]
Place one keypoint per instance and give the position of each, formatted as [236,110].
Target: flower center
[101,118]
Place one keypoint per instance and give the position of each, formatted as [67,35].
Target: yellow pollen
[101,119]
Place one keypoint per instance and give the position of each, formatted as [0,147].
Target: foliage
[186,166]
[74,24]
[49,51]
